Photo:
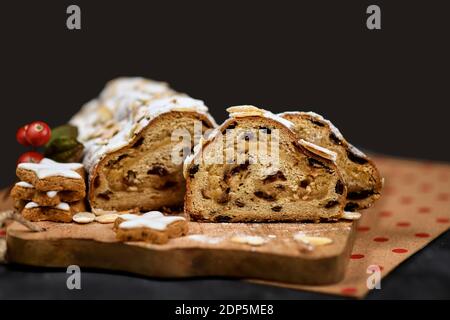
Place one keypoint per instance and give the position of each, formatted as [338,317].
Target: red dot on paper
[380,239]
[385,214]
[442,220]
[356,256]
[425,187]
[406,200]
[409,178]
[443,197]
[403,224]
[2,232]
[399,250]
[422,235]
[424,210]
[388,190]
[348,290]
[363,228]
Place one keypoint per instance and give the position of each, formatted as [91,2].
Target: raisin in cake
[226,182]
[360,174]
[127,134]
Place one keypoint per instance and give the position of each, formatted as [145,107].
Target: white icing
[24,184]
[63,206]
[31,205]
[49,168]
[205,239]
[328,154]
[152,220]
[52,194]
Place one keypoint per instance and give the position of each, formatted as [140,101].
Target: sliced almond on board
[250,240]
[351,215]
[83,217]
[312,240]
[107,218]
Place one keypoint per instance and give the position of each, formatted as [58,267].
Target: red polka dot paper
[414,210]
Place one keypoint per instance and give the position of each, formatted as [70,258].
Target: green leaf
[66,130]
[65,150]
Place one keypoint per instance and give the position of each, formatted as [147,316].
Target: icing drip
[49,168]
[24,184]
[152,220]
[52,194]
[31,205]
[63,206]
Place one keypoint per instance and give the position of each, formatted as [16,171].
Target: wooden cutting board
[281,258]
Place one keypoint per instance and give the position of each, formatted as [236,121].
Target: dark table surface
[426,275]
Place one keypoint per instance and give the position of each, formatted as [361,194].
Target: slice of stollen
[227,181]
[360,174]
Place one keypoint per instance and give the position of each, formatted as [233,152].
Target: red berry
[38,133]
[21,136]
[31,156]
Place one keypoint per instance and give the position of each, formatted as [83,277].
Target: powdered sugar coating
[317,116]
[125,107]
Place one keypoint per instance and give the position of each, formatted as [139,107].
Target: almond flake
[312,240]
[83,217]
[107,218]
[351,215]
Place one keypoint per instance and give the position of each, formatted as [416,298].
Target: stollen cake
[253,168]
[360,174]
[131,153]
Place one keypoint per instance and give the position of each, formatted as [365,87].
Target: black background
[387,90]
